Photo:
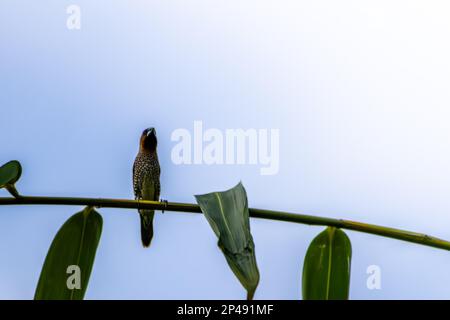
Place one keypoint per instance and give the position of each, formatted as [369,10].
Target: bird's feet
[165,204]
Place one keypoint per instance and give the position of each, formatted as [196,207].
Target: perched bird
[146,184]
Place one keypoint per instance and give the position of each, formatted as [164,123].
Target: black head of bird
[149,141]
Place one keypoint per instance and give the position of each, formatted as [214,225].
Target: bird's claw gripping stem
[165,205]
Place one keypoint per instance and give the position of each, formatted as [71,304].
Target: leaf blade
[228,216]
[326,269]
[75,244]
[10,173]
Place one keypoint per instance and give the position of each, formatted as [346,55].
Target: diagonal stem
[409,236]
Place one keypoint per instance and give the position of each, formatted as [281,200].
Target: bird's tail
[146,226]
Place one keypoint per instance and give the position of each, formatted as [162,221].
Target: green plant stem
[409,236]
[12,189]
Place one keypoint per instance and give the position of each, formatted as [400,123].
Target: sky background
[358,89]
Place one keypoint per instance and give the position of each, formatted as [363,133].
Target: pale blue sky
[358,90]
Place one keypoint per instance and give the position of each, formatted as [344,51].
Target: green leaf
[326,269]
[10,172]
[74,246]
[227,213]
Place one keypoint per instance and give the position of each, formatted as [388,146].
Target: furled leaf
[69,261]
[326,269]
[227,213]
[10,172]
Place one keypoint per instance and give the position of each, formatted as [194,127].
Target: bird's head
[148,140]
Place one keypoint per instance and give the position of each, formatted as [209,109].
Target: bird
[146,180]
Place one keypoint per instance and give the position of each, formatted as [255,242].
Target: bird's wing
[150,190]
[135,186]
